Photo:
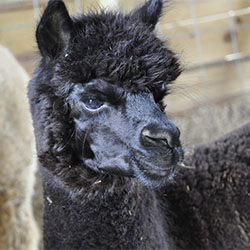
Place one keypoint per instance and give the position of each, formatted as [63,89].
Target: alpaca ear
[150,12]
[54,29]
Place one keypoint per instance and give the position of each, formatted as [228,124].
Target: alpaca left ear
[54,30]
[150,12]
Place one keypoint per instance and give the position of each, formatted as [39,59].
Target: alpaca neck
[124,219]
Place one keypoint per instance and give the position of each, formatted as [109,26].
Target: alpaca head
[96,97]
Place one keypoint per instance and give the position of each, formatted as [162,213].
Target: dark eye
[92,105]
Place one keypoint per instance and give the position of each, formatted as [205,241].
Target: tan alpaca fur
[18,229]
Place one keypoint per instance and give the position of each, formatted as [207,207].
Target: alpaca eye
[92,105]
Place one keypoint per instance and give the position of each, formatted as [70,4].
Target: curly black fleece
[212,202]
[205,208]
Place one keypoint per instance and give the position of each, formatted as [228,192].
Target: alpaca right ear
[150,12]
[54,29]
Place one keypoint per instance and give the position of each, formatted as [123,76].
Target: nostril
[157,141]
[157,138]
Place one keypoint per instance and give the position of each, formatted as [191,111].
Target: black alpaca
[106,149]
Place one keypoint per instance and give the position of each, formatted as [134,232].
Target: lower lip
[160,172]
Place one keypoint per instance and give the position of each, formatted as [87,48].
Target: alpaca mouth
[158,172]
[153,171]
[153,176]
[159,168]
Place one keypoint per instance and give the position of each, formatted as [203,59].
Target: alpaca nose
[161,137]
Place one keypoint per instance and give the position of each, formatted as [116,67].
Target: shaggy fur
[211,202]
[17,158]
[103,141]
